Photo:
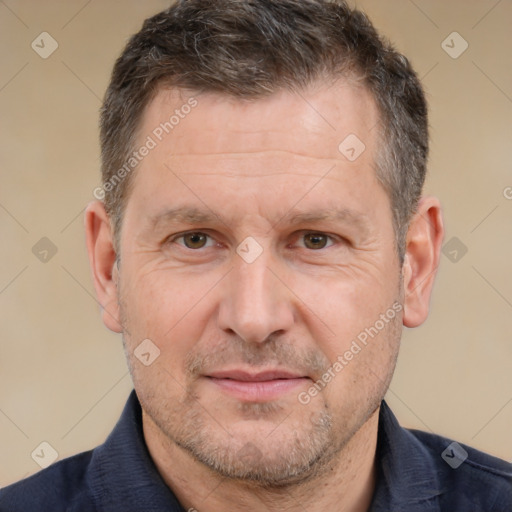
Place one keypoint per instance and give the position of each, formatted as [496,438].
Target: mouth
[257,387]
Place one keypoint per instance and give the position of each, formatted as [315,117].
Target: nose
[255,304]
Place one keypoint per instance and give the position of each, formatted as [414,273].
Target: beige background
[63,377]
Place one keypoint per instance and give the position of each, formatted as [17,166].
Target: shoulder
[61,487]
[481,481]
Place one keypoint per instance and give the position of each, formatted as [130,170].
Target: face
[259,259]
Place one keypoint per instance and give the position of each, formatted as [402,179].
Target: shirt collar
[124,477]
[406,474]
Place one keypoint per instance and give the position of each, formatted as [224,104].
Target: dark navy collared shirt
[416,472]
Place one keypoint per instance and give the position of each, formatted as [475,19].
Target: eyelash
[174,239]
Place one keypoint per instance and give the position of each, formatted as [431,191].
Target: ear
[102,259]
[423,249]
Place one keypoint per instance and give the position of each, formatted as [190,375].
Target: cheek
[363,362]
[166,308]
[338,310]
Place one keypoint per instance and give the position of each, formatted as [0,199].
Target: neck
[346,484]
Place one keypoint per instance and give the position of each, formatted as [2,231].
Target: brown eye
[195,240]
[315,240]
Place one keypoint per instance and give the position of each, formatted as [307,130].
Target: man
[261,239]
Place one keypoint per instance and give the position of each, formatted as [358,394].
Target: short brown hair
[252,48]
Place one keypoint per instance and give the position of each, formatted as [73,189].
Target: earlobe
[102,259]
[423,248]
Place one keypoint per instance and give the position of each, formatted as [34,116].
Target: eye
[194,240]
[316,241]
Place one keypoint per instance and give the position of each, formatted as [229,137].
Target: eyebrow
[195,216]
[185,214]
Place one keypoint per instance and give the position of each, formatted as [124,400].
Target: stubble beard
[274,460]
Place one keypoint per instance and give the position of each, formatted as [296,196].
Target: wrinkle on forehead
[221,124]
[289,142]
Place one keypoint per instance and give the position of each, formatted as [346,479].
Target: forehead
[258,158]
[311,123]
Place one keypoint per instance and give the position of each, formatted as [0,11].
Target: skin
[252,165]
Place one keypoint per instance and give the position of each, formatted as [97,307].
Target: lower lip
[258,391]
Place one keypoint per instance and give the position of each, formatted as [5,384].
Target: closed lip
[262,376]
